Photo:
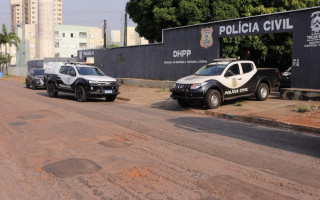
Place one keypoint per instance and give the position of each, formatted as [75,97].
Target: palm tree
[6,39]
[2,61]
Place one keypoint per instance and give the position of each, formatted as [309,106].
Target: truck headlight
[93,82]
[196,86]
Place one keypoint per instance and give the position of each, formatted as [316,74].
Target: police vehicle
[225,79]
[82,80]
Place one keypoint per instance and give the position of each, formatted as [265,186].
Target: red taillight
[278,72]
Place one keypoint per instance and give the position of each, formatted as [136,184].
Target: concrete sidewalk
[273,112]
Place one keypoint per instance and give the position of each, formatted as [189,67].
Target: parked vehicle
[35,78]
[225,79]
[285,81]
[81,80]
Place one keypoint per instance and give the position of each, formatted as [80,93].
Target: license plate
[108,91]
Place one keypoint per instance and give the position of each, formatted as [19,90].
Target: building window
[56,33]
[31,35]
[32,46]
[83,45]
[63,35]
[56,45]
[83,35]
[56,55]
[92,36]
[71,35]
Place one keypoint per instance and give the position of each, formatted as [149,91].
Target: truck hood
[195,79]
[99,78]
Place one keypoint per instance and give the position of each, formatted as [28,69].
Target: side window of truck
[246,67]
[234,69]
[63,70]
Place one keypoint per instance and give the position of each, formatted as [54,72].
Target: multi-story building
[69,39]
[133,37]
[113,38]
[16,14]
[31,12]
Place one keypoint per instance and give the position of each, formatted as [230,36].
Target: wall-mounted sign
[206,37]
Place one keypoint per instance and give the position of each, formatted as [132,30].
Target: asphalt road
[57,148]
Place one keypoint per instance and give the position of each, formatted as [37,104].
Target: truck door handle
[240,79]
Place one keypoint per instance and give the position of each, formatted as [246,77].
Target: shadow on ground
[276,138]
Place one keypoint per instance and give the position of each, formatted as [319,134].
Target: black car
[35,78]
[285,81]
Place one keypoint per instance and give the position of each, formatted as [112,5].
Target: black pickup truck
[223,80]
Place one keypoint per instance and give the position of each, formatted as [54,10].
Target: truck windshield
[91,71]
[39,72]
[211,70]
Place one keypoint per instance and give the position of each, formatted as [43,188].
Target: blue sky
[86,13]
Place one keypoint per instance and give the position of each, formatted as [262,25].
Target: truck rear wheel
[262,92]
[27,84]
[212,99]
[81,94]
[52,90]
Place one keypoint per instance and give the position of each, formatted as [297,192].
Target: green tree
[8,38]
[152,16]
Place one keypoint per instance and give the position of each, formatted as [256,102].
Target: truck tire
[262,92]
[183,103]
[34,86]
[111,98]
[81,94]
[27,84]
[52,90]
[212,99]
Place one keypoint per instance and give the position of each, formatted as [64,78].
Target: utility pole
[125,29]
[105,34]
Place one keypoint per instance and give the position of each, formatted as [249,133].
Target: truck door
[233,78]
[72,75]
[62,79]
[248,72]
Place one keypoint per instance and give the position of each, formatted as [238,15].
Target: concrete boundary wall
[17,71]
[185,49]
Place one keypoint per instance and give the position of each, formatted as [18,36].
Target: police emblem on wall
[206,37]
[313,38]
[315,22]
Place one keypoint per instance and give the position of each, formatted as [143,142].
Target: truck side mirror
[228,74]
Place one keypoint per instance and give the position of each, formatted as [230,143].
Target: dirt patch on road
[136,173]
[19,79]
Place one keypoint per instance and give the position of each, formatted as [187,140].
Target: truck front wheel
[81,94]
[212,99]
[51,90]
[262,92]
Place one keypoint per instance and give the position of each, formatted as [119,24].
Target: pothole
[18,124]
[114,144]
[72,167]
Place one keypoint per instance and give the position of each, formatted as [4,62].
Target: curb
[263,121]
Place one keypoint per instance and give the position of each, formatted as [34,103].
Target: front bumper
[187,94]
[103,90]
[40,83]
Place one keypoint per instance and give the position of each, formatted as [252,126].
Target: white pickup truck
[225,79]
